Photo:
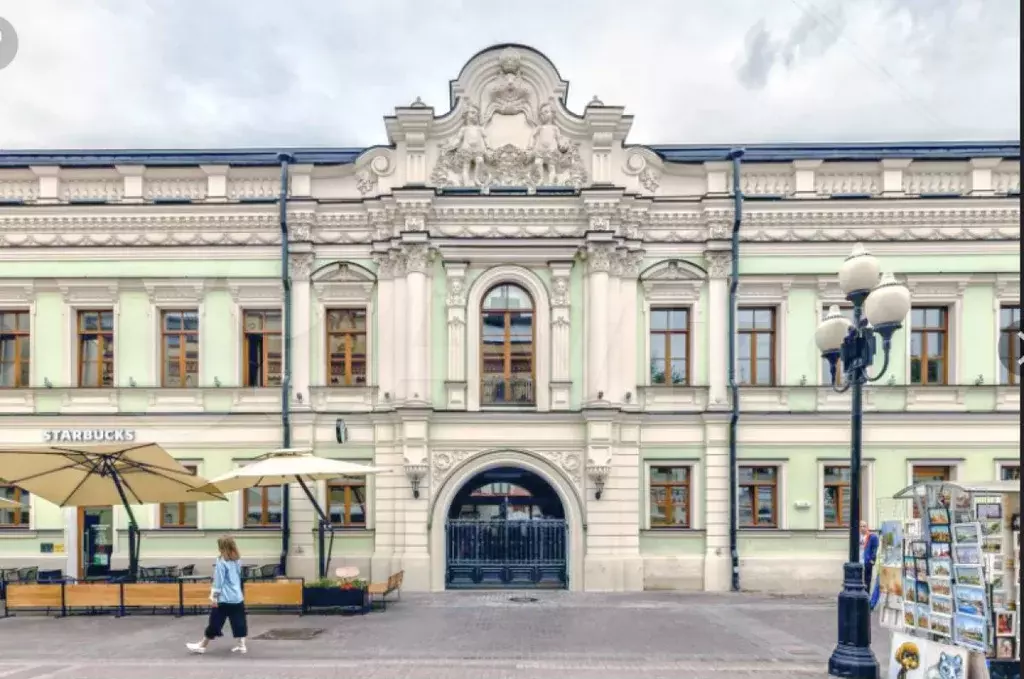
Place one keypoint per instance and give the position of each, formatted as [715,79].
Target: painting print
[941,586]
[944,661]
[969,575]
[968,554]
[987,511]
[892,542]
[905,662]
[969,600]
[971,631]
[942,568]
[967,533]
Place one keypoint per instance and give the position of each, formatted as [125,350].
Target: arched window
[507,341]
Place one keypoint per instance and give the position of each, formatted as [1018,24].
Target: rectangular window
[15,349]
[13,517]
[96,348]
[1009,472]
[346,500]
[826,375]
[836,495]
[1009,344]
[929,345]
[925,473]
[670,346]
[670,497]
[756,346]
[261,349]
[181,514]
[180,346]
[262,507]
[346,347]
[759,496]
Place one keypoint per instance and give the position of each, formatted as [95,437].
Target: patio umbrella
[292,465]
[89,476]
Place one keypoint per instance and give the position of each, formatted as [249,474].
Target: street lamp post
[879,306]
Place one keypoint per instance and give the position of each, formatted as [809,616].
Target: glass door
[96,530]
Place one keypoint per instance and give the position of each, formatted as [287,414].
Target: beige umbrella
[87,476]
[292,465]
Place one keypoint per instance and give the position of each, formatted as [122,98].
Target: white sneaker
[196,647]
[240,649]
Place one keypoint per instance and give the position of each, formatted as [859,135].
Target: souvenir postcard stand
[958,559]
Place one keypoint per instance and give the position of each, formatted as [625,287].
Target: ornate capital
[300,266]
[719,263]
[599,257]
[417,258]
[628,263]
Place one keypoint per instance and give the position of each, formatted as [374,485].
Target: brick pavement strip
[457,635]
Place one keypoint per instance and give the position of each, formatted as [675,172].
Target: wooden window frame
[103,335]
[1003,467]
[348,354]
[19,496]
[753,333]
[180,506]
[507,345]
[264,508]
[181,335]
[928,465]
[1013,344]
[668,504]
[925,333]
[776,499]
[264,376]
[18,337]
[667,336]
[346,509]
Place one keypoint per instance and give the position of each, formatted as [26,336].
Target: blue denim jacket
[227,582]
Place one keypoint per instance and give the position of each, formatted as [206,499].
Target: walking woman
[227,598]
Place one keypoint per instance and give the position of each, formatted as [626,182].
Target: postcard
[971,631]
[1000,599]
[1006,649]
[997,580]
[995,562]
[919,549]
[968,575]
[891,542]
[967,533]
[910,590]
[991,528]
[942,568]
[989,510]
[921,593]
[992,546]
[942,605]
[940,586]
[962,516]
[910,614]
[969,600]
[1006,623]
[940,550]
[939,533]
[938,515]
[921,572]
[967,554]
[924,616]
[908,563]
[942,625]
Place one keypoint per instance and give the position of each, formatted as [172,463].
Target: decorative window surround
[174,295]
[538,291]
[782,495]
[697,508]
[154,510]
[83,295]
[768,291]
[256,295]
[341,285]
[937,291]
[1007,293]
[1005,464]
[19,295]
[868,509]
[955,465]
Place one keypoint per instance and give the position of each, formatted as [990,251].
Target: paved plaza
[456,635]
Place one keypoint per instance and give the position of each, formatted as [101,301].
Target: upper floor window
[756,350]
[14,517]
[261,348]
[15,349]
[929,345]
[181,514]
[179,332]
[1009,472]
[346,502]
[1009,344]
[826,376]
[346,347]
[96,348]
[262,507]
[507,347]
[670,346]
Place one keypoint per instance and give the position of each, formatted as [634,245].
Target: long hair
[227,548]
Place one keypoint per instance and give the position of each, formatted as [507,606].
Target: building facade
[507,301]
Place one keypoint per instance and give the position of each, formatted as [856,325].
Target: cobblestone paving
[457,635]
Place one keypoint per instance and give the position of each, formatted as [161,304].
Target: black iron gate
[527,553]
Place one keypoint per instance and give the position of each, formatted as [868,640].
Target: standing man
[868,555]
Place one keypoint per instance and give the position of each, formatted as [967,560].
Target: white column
[455,382]
[399,320]
[599,260]
[417,261]
[299,267]
[718,328]
[561,324]
[626,343]
[384,339]
[717,558]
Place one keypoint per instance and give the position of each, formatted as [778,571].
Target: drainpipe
[286,378]
[737,200]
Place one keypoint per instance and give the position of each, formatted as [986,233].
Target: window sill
[18,533]
[773,531]
[674,530]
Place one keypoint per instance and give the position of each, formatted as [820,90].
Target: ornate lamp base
[852,657]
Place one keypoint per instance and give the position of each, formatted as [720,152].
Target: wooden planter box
[92,595]
[325,599]
[24,596]
[276,594]
[152,595]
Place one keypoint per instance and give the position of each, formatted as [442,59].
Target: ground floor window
[13,517]
[924,473]
[758,496]
[670,495]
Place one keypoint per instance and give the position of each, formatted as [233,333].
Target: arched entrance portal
[506,527]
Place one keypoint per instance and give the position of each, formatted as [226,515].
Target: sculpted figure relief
[469,146]
[547,146]
[509,94]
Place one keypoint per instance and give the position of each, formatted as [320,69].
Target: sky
[275,73]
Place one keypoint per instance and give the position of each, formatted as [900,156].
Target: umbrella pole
[133,528]
[324,522]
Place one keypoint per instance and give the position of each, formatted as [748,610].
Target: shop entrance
[96,541]
[506,528]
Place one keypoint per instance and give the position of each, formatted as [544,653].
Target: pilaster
[418,260]
[385,339]
[892,175]
[803,178]
[49,182]
[455,384]
[133,182]
[300,266]
[598,256]
[561,325]
[718,265]
[717,557]
[981,176]
[216,182]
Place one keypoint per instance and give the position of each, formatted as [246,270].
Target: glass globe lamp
[887,306]
[832,331]
[859,274]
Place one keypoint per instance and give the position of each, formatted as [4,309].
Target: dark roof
[677,153]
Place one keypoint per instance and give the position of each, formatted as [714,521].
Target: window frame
[243,346]
[181,335]
[823,375]
[690,485]
[947,312]
[1003,465]
[506,345]
[779,498]
[264,509]
[952,464]
[18,493]
[868,499]
[348,355]
[194,466]
[79,333]
[1012,378]
[774,334]
[348,483]
[667,335]
[20,336]
[696,493]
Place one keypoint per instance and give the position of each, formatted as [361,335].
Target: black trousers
[231,613]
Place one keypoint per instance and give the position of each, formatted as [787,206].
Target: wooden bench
[152,595]
[92,596]
[283,593]
[379,591]
[29,596]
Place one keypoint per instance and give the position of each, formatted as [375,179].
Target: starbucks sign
[88,435]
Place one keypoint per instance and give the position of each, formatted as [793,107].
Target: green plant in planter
[344,583]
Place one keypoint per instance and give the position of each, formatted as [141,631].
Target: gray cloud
[193,73]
